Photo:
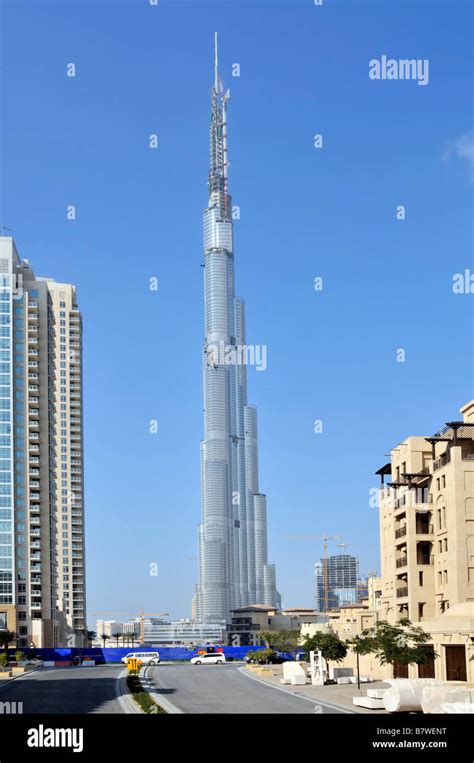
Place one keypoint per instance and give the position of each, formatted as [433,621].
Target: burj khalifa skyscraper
[233,562]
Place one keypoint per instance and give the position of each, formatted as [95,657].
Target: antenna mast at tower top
[216,63]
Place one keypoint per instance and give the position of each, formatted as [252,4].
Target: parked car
[214,658]
[275,658]
[145,658]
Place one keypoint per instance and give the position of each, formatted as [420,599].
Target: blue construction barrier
[103,656]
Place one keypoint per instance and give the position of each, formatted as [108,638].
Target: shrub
[141,697]
[259,656]
[3,660]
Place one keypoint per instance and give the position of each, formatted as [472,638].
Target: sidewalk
[334,694]
[5,681]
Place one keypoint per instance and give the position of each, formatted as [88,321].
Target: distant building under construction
[336,582]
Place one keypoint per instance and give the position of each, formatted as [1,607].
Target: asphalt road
[191,688]
[223,689]
[68,690]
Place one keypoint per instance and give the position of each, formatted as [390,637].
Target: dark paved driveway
[66,690]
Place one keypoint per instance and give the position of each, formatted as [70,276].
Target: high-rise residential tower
[42,585]
[233,563]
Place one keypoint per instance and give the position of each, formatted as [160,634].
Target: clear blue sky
[304,213]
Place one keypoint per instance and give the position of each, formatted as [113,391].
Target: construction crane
[142,621]
[325,539]
[140,617]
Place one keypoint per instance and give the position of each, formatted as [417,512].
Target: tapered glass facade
[233,563]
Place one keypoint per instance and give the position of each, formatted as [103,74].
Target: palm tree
[104,638]
[91,635]
[116,636]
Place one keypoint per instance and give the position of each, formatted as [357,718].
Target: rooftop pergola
[386,469]
[453,432]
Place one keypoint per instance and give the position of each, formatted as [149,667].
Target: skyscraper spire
[216,63]
[218,190]
[233,565]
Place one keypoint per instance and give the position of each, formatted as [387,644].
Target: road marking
[314,701]
[159,699]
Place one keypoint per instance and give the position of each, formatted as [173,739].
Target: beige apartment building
[42,585]
[346,623]
[426,507]
[426,512]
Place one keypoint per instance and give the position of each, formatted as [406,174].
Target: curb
[315,701]
[158,698]
[14,678]
[123,695]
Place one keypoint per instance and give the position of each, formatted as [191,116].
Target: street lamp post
[357,639]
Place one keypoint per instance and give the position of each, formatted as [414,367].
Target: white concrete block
[353,679]
[344,680]
[370,702]
[405,693]
[457,707]
[298,680]
[376,693]
[292,669]
[433,698]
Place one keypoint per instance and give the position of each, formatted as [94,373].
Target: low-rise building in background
[248,623]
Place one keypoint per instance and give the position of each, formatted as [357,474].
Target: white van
[146,658]
[214,658]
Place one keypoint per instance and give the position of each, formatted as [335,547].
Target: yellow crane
[142,621]
[325,539]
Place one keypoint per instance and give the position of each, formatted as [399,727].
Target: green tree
[282,641]
[401,643]
[330,646]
